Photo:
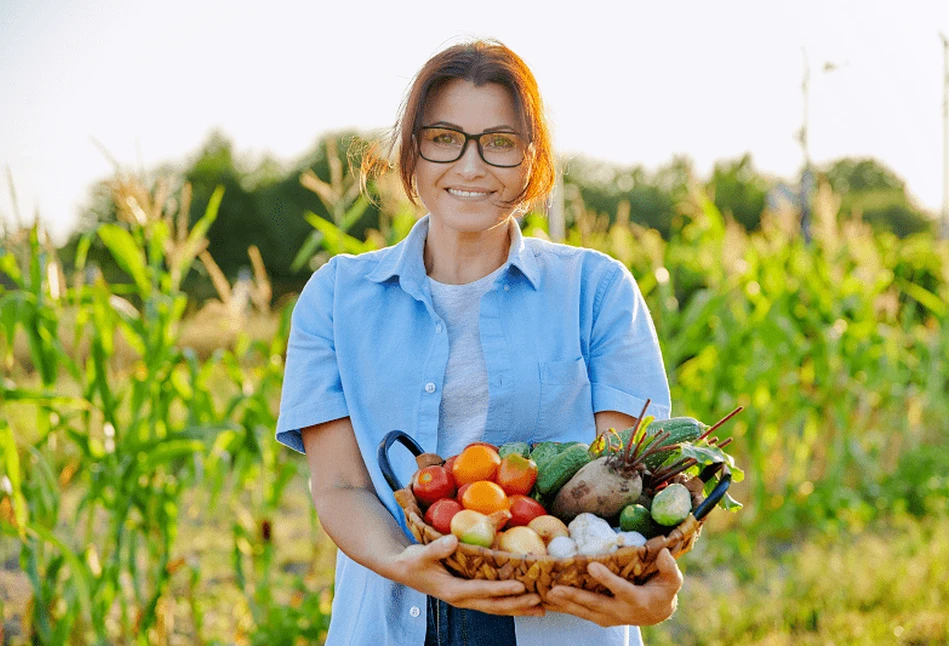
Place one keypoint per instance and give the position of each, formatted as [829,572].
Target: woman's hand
[637,605]
[420,567]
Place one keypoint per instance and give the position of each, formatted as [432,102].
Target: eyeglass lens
[443,145]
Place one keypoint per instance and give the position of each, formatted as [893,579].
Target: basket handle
[724,481]
[383,455]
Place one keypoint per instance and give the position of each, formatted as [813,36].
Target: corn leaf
[126,252]
[925,297]
[80,574]
[9,267]
[11,466]
[335,239]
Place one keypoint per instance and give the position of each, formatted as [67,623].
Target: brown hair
[479,62]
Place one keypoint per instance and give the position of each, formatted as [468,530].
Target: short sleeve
[312,391]
[626,366]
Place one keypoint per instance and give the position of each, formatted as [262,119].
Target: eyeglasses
[445,145]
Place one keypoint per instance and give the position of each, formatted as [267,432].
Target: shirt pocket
[566,400]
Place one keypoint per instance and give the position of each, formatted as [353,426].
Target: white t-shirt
[464,404]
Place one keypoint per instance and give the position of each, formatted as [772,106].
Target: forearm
[346,502]
[361,526]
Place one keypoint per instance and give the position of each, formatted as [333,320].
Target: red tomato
[433,482]
[439,515]
[449,463]
[517,474]
[461,491]
[524,509]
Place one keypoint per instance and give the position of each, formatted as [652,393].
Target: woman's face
[468,195]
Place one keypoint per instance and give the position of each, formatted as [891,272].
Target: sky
[84,85]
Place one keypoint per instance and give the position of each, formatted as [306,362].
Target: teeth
[455,191]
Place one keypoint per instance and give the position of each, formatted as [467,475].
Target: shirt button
[438,328]
[414,611]
[429,387]
[507,287]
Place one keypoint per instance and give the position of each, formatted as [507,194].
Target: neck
[458,258]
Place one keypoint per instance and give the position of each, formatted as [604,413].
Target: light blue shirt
[565,333]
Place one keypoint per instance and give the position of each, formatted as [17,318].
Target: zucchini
[521,448]
[544,452]
[681,429]
[558,471]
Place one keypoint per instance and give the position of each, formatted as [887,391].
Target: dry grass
[888,584]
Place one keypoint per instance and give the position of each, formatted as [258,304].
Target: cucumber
[521,448]
[681,429]
[558,471]
[544,452]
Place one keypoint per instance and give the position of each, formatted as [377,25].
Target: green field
[143,499]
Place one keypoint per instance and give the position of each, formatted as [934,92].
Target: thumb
[443,547]
[668,570]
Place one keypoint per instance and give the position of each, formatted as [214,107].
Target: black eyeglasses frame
[468,137]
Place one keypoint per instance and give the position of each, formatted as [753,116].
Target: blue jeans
[451,626]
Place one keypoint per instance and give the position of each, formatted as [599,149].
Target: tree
[738,189]
[652,198]
[878,195]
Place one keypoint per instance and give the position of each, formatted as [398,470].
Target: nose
[470,164]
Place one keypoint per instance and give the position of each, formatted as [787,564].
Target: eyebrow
[453,126]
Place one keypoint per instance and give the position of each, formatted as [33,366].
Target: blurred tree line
[265,201]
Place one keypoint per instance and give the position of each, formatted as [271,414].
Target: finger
[442,548]
[614,583]
[471,589]
[562,599]
[668,573]
[562,595]
[527,604]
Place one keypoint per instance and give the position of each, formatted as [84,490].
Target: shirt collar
[405,260]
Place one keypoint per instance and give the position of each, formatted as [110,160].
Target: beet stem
[673,470]
[720,422]
[639,422]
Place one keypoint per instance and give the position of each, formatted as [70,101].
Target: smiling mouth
[460,193]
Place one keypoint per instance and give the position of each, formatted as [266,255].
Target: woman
[465,331]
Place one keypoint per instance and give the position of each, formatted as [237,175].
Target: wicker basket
[540,573]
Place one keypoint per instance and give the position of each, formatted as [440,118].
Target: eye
[500,141]
[444,137]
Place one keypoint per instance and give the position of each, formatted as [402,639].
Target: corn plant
[126,442]
[836,350]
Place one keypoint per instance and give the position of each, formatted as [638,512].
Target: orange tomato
[486,497]
[476,462]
